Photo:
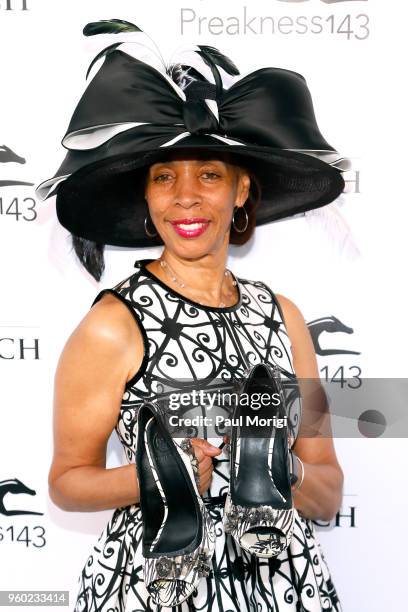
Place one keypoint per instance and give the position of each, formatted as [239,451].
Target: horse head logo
[330,325]
[14,486]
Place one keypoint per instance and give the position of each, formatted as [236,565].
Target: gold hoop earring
[147,231]
[240,231]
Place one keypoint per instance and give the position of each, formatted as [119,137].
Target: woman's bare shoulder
[109,329]
[290,310]
[106,320]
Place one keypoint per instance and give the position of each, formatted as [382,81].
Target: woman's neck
[203,280]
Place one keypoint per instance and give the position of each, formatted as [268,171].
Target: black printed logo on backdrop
[23,533]
[346,516]
[18,208]
[14,486]
[330,325]
[8,156]
[244,21]
[17,348]
[370,423]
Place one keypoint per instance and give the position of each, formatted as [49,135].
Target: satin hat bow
[131,111]
[270,107]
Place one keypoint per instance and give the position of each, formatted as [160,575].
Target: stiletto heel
[258,509]
[178,533]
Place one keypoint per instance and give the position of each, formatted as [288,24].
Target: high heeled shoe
[178,533]
[258,510]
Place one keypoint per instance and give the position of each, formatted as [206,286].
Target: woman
[183,314]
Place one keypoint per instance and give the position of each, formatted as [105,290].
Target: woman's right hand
[204,451]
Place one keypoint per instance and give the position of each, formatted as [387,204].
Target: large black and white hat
[137,110]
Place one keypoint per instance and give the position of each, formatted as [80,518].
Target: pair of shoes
[178,533]
[258,511]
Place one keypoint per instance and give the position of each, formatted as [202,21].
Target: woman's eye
[211,175]
[161,178]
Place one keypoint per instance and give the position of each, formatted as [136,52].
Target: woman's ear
[244,184]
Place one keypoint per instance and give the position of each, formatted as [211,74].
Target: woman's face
[191,202]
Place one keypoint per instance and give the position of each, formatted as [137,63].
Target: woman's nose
[187,192]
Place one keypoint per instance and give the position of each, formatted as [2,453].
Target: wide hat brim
[103,202]
[131,115]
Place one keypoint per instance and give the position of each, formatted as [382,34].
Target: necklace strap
[183,285]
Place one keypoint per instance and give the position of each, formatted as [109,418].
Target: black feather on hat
[137,110]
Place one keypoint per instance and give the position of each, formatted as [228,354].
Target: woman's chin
[192,248]
[188,252]
[189,247]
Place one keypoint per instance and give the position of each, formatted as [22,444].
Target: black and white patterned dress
[186,341]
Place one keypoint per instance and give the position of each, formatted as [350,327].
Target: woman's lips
[189,228]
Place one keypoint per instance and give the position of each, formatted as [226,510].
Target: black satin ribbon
[270,107]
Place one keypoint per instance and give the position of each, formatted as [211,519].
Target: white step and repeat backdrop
[347,277]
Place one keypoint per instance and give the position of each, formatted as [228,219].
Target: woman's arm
[321,493]
[102,353]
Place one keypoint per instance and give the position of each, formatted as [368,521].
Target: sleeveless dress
[185,340]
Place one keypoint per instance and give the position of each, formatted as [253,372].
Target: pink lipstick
[191,227]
